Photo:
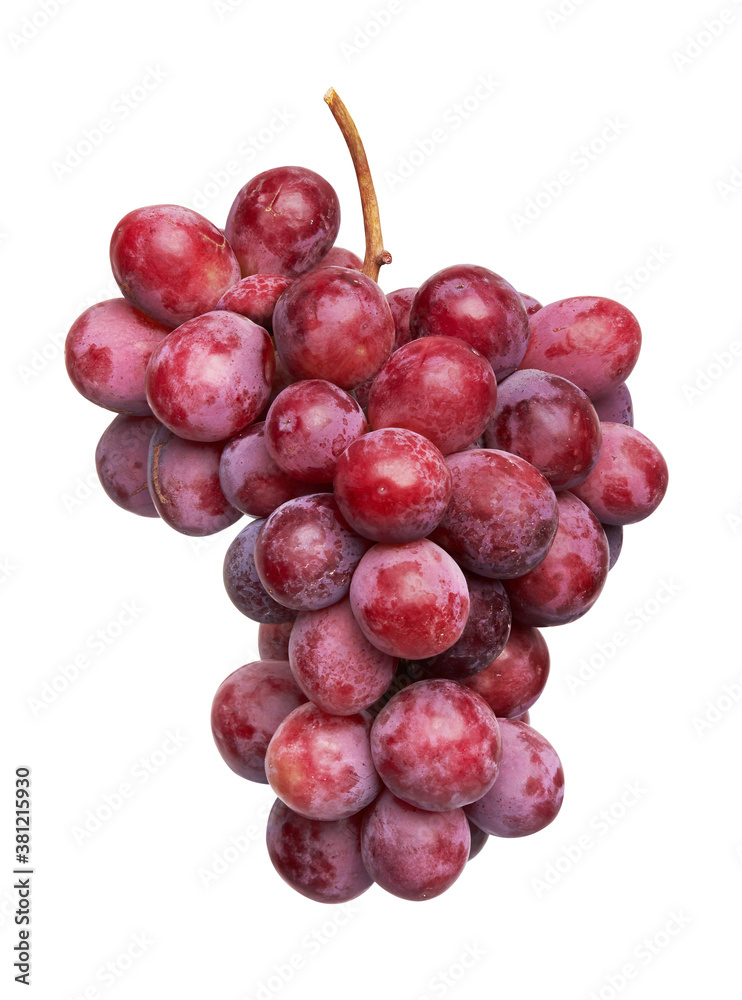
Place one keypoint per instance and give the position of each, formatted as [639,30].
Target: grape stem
[376,255]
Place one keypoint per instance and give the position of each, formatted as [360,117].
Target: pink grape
[320,765]
[478,839]
[531,305]
[121,460]
[616,406]
[273,640]
[515,679]
[411,600]
[255,298]
[400,303]
[247,709]
[242,583]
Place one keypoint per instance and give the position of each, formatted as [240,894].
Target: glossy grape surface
[478,839]
[242,583]
[273,640]
[616,406]
[514,681]
[400,303]
[255,298]
[121,460]
[340,257]
[614,534]
[531,305]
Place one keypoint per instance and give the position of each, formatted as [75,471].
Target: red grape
[616,406]
[515,679]
[340,257]
[400,303]
[531,305]
[478,839]
[121,460]
[614,534]
[242,583]
[273,640]
[255,297]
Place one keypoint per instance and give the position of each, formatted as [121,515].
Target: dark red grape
[400,303]
[183,481]
[392,485]
[515,679]
[121,460]
[411,600]
[630,480]
[320,765]
[248,708]
[614,534]
[284,221]
[255,298]
[334,663]
[171,262]
[340,257]
[306,553]
[436,745]
[106,353]
[568,582]
[273,640]
[334,324]
[211,377]
[529,789]
[440,388]
[477,306]
[616,406]
[502,516]
[550,423]
[242,583]
[412,853]
[309,426]
[531,305]
[321,860]
[478,839]
[593,342]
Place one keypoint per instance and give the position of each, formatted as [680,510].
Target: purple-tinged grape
[255,298]
[412,853]
[309,426]
[284,221]
[242,583]
[273,640]
[183,479]
[106,354]
[320,765]
[614,534]
[436,745]
[281,379]
[616,406]
[334,664]
[525,717]
[477,306]
[400,303]
[566,584]
[307,553]
[550,423]
[340,257]
[478,839]
[529,789]
[630,480]
[392,485]
[531,305]
[591,341]
[247,709]
[211,377]
[334,324]
[502,516]
[411,600]
[485,633]
[438,387]
[515,679]
[121,460]
[171,262]
[320,859]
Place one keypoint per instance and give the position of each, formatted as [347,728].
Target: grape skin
[121,460]
[614,534]
[242,583]
[340,257]
[273,640]
[400,303]
[515,680]
[616,406]
[478,839]
[531,305]
[255,298]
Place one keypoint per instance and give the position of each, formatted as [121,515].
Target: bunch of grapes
[432,477]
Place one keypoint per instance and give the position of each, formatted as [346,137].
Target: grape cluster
[432,476]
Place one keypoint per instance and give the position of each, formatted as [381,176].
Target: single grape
[106,354]
[121,460]
[321,860]
[616,406]
[340,257]
[515,679]
[171,262]
[334,664]
[477,306]
[614,534]
[530,304]
[591,341]
[525,717]
[242,583]
[320,765]
[412,853]
[438,387]
[392,485]
[334,324]
[436,745]
[478,839]
[284,221]
[485,633]
[566,584]
[411,600]
[255,298]
[309,426]
[630,480]
[247,709]
[273,640]
[529,789]
[550,423]
[502,516]
[183,479]
[306,553]
[400,303]
[281,379]
[211,377]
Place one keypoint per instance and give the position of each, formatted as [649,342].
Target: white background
[657,715]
